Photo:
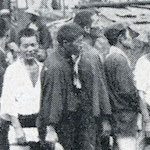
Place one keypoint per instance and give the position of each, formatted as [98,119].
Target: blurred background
[58,12]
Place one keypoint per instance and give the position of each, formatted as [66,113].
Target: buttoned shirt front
[19,96]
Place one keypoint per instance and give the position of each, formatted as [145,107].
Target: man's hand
[147,129]
[51,135]
[106,128]
[20,136]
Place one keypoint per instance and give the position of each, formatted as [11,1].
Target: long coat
[59,96]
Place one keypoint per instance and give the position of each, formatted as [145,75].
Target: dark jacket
[122,91]
[59,94]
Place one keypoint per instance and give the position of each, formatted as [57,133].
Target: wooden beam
[115,5]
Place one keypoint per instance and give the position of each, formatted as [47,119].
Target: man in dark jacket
[124,97]
[74,93]
[90,22]
[93,26]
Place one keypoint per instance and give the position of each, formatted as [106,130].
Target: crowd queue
[81,94]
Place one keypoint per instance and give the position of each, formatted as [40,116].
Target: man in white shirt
[142,78]
[20,100]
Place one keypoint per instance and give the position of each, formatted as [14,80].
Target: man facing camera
[74,93]
[21,93]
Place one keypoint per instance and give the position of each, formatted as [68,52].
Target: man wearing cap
[124,97]
[45,39]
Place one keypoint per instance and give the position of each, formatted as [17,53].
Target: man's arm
[104,98]
[49,104]
[124,77]
[8,105]
[103,89]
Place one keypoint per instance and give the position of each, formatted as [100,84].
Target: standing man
[94,30]
[74,94]
[20,100]
[124,97]
[94,38]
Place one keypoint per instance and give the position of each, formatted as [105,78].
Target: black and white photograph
[74,74]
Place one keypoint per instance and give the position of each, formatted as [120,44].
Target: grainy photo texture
[74,75]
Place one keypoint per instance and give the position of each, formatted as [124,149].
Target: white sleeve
[141,75]
[8,101]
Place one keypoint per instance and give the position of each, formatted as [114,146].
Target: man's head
[119,35]
[28,42]
[33,14]
[4,31]
[70,38]
[89,21]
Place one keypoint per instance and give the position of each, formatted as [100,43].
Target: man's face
[29,46]
[75,47]
[96,26]
[127,41]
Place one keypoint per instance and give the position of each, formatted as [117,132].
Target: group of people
[80,93]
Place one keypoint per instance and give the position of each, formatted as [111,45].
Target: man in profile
[89,21]
[124,97]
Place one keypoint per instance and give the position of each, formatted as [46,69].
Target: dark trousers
[77,131]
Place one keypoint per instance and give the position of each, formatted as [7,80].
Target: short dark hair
[27,32]
[113,34]
[83,18]
[4,27]
[69,33]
